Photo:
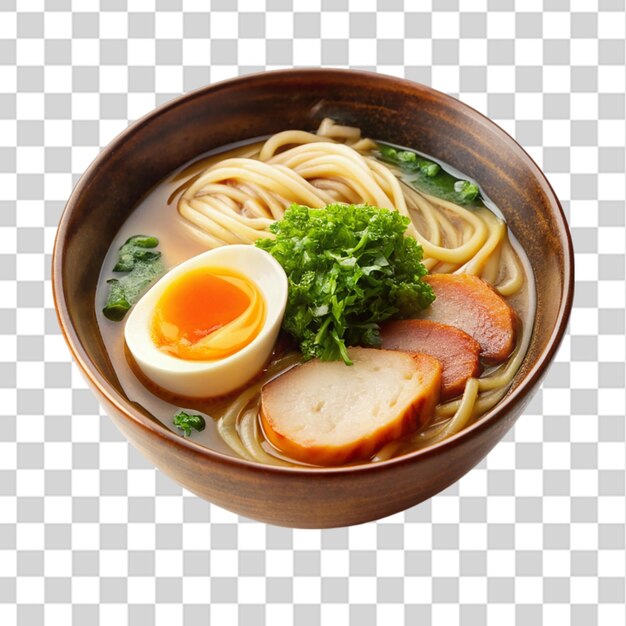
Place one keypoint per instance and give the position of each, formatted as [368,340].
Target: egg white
[205,379]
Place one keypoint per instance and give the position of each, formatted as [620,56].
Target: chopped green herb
[430,169]
[186,422]
[349,268]
[141,266]
[429,177]
[117,305]
[387,152]
[407,157]
[468,190]
[136,249]
[408,160]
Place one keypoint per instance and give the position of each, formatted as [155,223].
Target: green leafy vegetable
[141,265]
[117,304]
[349,268]
[409,160]
[429,177]
[467,190]
[136,249]
[186,421]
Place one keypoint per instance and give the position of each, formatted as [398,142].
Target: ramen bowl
[391,109]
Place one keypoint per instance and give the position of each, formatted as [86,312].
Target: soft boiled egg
[210,324]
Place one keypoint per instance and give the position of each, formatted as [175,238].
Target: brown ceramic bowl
[395,110]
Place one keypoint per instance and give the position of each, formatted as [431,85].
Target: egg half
[210,324]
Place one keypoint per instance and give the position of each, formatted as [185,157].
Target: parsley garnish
[349,268]
[186,422]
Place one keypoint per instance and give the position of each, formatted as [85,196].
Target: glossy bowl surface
[392,109]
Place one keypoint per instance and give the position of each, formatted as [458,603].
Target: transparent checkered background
[91,534]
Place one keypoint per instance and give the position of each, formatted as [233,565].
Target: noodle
[235,196]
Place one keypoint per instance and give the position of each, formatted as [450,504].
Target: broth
[179,241]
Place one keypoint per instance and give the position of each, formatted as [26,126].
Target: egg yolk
[207,314]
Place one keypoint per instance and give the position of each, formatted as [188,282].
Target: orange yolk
[207,314]
[201,303]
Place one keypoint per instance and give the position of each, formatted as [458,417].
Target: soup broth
[179,240]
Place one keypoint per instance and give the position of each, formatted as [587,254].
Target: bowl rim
[488,420]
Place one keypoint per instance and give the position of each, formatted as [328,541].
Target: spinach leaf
[140,266]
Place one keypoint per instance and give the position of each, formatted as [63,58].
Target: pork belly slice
[474,306]
[454,349]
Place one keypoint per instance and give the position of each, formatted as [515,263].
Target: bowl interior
[384,108]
